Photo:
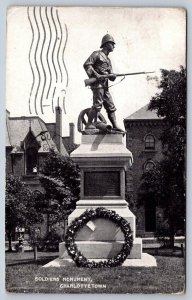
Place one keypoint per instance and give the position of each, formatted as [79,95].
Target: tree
[21,207]
[162,185]
[166,181]
[170,104]
[60,179]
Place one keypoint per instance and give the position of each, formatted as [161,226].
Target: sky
[47,47]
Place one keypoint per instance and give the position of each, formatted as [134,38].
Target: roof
[143,114]
[68,145]
[63,151]
[18,129]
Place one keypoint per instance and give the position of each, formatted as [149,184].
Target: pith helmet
[107,38]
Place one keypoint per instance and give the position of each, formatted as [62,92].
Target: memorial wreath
[90,215]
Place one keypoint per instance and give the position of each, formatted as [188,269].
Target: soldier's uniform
[96,65]
[100,63]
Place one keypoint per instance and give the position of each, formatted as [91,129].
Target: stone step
[146,261]
[154,240]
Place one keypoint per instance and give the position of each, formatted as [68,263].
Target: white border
[142,3]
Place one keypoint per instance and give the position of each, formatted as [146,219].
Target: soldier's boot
[91,116]
[112,119]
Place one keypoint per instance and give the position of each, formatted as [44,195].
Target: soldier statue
[98,66]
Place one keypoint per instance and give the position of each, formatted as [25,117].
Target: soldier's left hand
[112,77]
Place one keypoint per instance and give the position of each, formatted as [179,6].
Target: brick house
[28,141]
[144,129]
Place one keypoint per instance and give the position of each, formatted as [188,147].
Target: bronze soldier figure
[97,65]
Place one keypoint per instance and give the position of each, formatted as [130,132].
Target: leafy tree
[166,181]
[163,186]
[60,179]
[21,207]
[170,104]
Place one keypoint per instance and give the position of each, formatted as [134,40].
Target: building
[144,129]
[28,141]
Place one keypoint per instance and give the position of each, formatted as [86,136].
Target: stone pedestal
[103,160]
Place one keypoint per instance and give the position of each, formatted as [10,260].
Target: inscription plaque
[106,183]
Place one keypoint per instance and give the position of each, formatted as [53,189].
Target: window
[31,147]
[149,165]
[31,160]
[149,142]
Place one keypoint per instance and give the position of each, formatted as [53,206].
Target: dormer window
[149,142]
[31,147]
[31,160]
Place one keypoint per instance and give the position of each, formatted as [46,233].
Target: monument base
[101,238]
[146,261]
[102,249]
[103,161]
[119,206]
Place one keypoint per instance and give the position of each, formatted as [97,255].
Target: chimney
[71,133]
[58,128]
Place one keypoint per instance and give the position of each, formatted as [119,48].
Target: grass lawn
[28,276]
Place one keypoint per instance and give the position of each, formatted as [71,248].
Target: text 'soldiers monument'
[103,160]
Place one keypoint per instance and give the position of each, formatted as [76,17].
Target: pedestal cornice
[108,149]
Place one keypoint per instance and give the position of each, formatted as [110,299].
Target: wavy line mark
[54,44]
[47,58]
[45,77]
[57,36]
[64,105]
[64,100]
[39,77]
[59,44]
[48,53]
[53,98]
[42,129]
[63,55]
[30,60]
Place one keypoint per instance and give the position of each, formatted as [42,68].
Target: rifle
[92,80]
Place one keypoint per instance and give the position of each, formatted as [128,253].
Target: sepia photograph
[95,193]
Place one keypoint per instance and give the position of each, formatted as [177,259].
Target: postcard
[95,150]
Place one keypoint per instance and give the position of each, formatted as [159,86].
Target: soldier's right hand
[100,78]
